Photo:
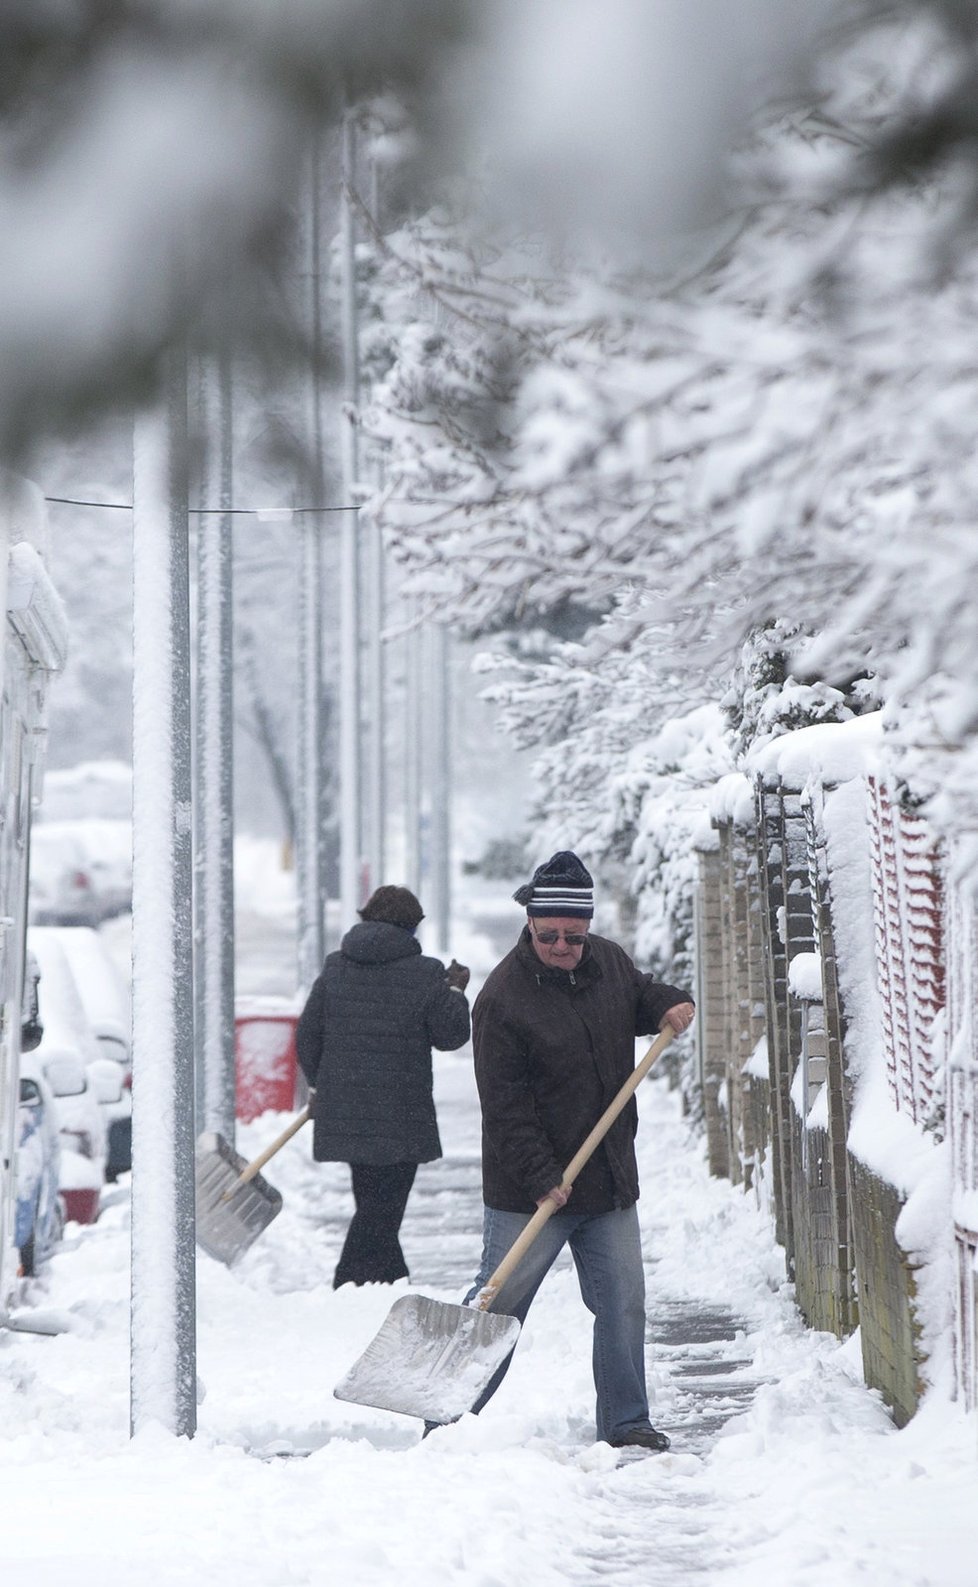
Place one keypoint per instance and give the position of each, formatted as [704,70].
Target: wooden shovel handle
[527,1236]
[276,1146]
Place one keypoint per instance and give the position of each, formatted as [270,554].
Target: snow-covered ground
[809,1486]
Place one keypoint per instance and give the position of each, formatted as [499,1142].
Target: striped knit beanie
[560,887]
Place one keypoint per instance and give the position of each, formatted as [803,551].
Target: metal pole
[441,784]
[163,1326]
[8,1047]
[375,768]
[310,813]
[374,608]
[414,736]
[214,811]
[350,847]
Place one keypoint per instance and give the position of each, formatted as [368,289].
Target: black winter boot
[640,1438]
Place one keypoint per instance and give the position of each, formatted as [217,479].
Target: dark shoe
[641,1438]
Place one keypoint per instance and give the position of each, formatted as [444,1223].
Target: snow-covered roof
[35,610]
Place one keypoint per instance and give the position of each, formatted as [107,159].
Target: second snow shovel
[433,1359]
[234,1203]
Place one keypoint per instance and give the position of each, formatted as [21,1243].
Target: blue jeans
[607,1252]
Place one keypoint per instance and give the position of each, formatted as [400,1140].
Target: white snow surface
[810,1487]
[834,752]
[805,976]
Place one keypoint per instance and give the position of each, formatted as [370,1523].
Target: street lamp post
[163,1327]
[350,820]
[310,764]
[214,806]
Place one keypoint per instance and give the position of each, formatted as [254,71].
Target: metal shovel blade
[230,1216]
[430,1359]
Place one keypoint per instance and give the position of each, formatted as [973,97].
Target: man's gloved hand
[457,975]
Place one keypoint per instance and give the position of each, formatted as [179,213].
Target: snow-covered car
[31,1029]
[106,1000]
[81,845]
[40,1211]
[114,1098]
[93,788]
[83,1137]
[66,1052]
[80,871]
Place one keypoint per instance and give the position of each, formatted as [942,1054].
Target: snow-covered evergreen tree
[774,437]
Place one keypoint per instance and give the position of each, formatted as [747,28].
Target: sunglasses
[573,939]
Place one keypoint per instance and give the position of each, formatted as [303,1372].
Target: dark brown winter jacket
[552,1048]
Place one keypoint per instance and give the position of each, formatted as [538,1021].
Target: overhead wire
[253,512]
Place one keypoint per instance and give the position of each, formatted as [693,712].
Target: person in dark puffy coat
[364,1044]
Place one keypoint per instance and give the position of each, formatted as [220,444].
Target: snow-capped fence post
[774,890]
[163,1327]
[739,952]
[831,1241]
[711,997]
[730,1091]
[214,811]
[730,987]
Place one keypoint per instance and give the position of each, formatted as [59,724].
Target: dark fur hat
[560,887]
[395,905]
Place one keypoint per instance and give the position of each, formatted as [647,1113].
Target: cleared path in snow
[700,1370]
[696,1374]
[700,1375]
[783,1467]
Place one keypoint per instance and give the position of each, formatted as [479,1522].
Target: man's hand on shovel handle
[680,1017]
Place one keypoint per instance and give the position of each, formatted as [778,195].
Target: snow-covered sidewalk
[809,1485]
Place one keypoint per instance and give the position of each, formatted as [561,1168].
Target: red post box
[267,1074]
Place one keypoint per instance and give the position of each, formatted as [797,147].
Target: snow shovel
[234,1203]
[433,1359]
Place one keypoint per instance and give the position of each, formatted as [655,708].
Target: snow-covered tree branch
[782,433]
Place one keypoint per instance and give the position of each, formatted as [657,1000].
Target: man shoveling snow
[554,1032]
